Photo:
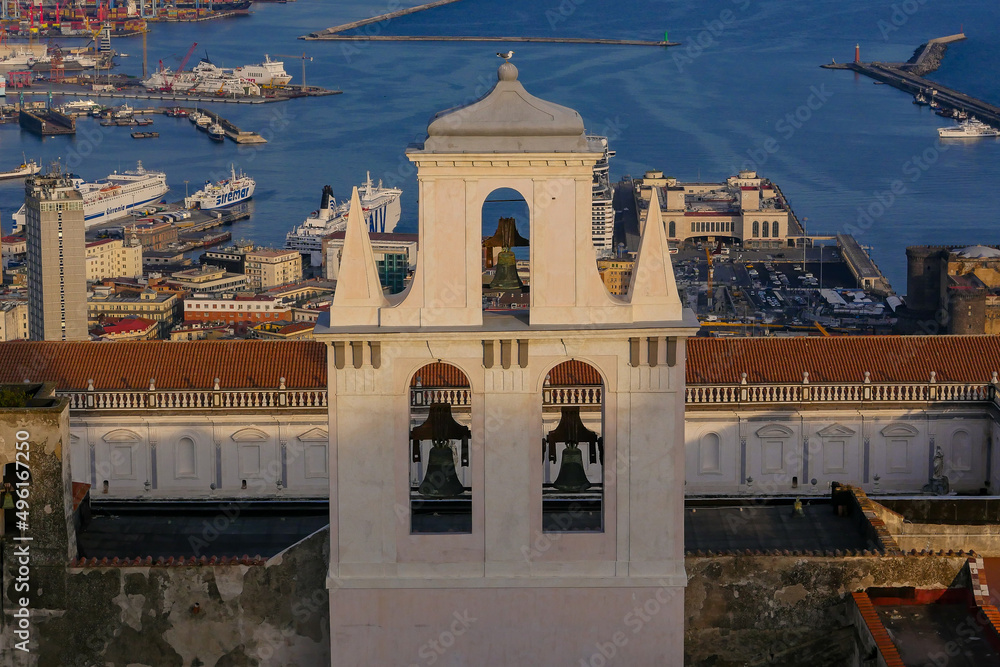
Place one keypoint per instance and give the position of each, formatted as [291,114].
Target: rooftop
[843,359]
[174,365]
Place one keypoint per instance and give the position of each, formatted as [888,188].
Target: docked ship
[3,85]
[115,196]
[27,168]
[216,133]
[225,193]
[381,207]
[971,128]
[206,77]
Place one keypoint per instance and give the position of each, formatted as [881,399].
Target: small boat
[216,133]
[145,135]
[143,121]
[920,99]
[26,168]
[203,123]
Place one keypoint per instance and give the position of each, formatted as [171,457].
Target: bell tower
[498,475]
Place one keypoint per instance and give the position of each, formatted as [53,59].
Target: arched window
[439,450]
[573,457]
[672,229]
[756,228]
[774,228]
[764,230]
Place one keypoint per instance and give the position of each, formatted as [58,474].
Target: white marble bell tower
[512,571]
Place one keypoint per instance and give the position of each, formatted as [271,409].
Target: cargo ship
[114,197]
[225,193]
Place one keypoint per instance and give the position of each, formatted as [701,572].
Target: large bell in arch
[572,477]
[505,238]
[440,479]
[506,277]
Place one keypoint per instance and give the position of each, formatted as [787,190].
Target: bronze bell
[506,277]
[440,480]
[572,477]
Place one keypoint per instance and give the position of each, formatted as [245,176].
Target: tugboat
[27,168]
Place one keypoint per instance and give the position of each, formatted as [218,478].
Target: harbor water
[744,90]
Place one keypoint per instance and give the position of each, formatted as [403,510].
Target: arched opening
[756,229]
[774,229]
[439,450]
[573,449]
[672,229]
[506,268]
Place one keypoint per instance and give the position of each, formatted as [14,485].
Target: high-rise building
[57,272]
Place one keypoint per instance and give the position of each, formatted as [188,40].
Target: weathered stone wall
[786,610]
[247,616]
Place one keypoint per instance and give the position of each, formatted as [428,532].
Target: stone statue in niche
[938,484]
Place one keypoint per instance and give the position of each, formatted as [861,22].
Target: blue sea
[744,90]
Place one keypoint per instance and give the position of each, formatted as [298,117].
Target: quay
[466,38]
[902,76]
[291,92]
[46,122]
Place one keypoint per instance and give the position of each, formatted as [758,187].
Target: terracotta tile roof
[572,373]
[440,375]
[174,365]
[843,359]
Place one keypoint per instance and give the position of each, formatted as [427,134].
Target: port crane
[303,58]
[170,86]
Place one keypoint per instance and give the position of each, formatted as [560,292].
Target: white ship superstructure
[381,207]
[268,74]
[3,85]
[115,196]
[225,193]
[603,216]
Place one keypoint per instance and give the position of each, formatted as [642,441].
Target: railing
[197,399]
[840,393]
[586,395]
[425,396]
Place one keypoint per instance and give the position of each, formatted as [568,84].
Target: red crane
[170,86]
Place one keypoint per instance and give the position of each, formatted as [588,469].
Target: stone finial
[90,383]
[281,383]
[548,379]
[507,71]
[152,384]
[868,377]
[805,377]
[994,379]
[933,377]
[216,387]
[743,378]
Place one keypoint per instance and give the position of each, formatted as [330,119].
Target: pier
[334,34]
[905,77]
[233,132]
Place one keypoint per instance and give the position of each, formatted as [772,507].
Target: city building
[164,308]
[13,320]
[316,289]
[151,235]
[283,330]
[164,259]
[234,309]
[208,280]
[603,202]
[395,257]
[231,258]
[267,268]
[57,275]
[112,258]
[129,329]
[616,274]
[199,331]
[746,209]
[953,289]
[12,248]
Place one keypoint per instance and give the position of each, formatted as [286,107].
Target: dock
[46,122]
[232,131]
[907,77]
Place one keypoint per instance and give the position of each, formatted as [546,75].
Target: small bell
[572,477]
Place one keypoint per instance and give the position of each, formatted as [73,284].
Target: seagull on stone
[506,56]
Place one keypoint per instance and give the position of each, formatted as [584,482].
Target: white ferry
[206,77]
[3,85]
[225,193]
[27,168]
[971,128]
[116,196]
[381,208]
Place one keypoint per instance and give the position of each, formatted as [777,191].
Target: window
[763,229]
[774,228]
[756,228]
[672,229]
[440,489]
